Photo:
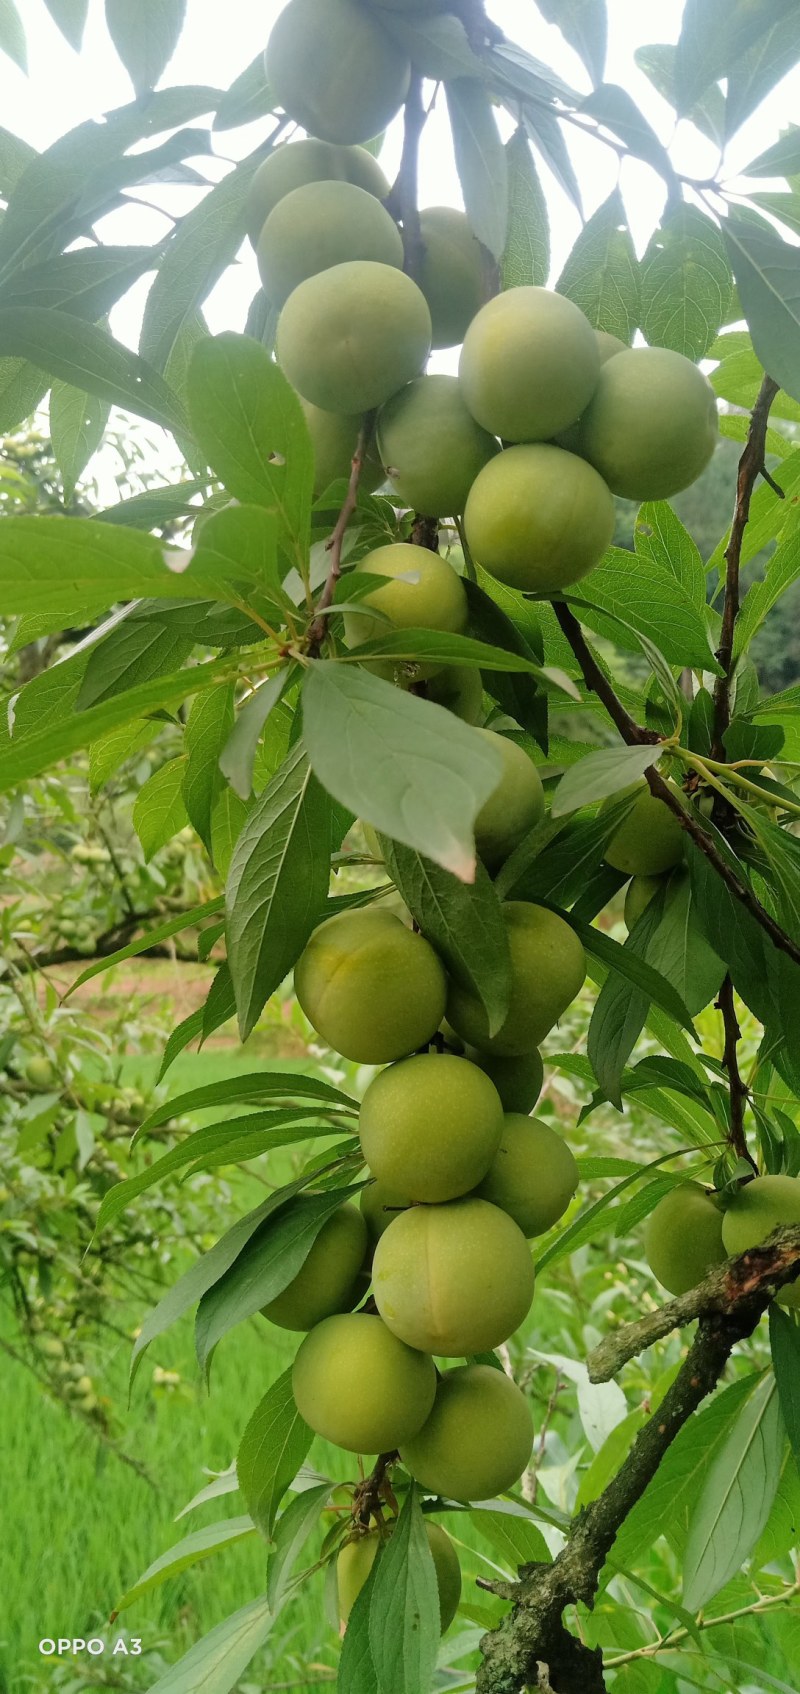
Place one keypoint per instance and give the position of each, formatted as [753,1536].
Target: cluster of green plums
[693,1229]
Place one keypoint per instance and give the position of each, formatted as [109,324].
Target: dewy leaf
[480,160]
[145,36]
[464,923]
[277,883]
[216,1663]
[90,358]
[77,426]
[599,774]
[250,423]
[784,1338]
[736,1497]
[686,283]
[526,258]
[404,1623]
[158,810]
[584,25]
[767,273]
[404,765]
[601,274]
[271,1452]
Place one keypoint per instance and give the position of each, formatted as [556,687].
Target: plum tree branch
[403,198]
[729,1303]
[316,634]
[737,1090]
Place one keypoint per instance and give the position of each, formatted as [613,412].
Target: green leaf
[200,1545]
[277,884]
[686,283]
[526,257]
[145,37]
[767,273]
[480,160]
[519,1541]
[782,159]
[237,759]
[22,387]
[661,537]
[615,109]
[77,426]
[503,619]
[680,952]
[15,155]
[628,964]
[620,1011]
[771,56]
[404,1625]
[593,1221]
[207,729]
[404,765]
[644,596]
[250,423]
[657,61]
[228,817]
[89,358]
[247,98]
[784,1340]
[12,35]
[736,1497]
[443,648]
[64,569]
[70,16]
[601,274]
[542,126]
[290,1535]
[258,1085]
[584,25]
[714,35]
[464,924]
[111,751]
[216,1663]
[158,810]
[271,1452]
[357,1674]
[86,282]
[782,569]
[269,1262]
[599,774]
[135,651]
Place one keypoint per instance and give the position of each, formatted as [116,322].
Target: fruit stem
[316,634]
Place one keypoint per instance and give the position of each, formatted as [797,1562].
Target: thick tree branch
[751,466]
[533,1633]
[634,735]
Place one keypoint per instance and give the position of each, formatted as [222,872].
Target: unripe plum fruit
[477,1441]
[358,1557]
[649,841]
[301,162]
[349,337]
[459,688]
[638,894]
[371,988]
[538,518]
[533,1174]
[334,70]
[435,600]
[380,1204]
[320,225]
[683,1237]
[651,426]
[452,274]
[328,1280]
[608,346]
[334,438]
[529,364]
[431,447]
[548,969]
[755,1211]
[430,1126]
[514,807]
[453,1279]
[518,1081]
[39,1071]
[357,1385]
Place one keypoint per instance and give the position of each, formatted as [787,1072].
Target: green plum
[454,274]
[683,1237]
[328,1280]
[357,1385]
[538,518]
[533,1175]
[651,425]
[319,225]
[380,1205]
[422,592]
[548,968]
[299,162]
[430,1126]
[335,70]
[349,337]
[649,841]
[638,894]
[755,1211]
[358,1557]
[371,988]
[334,438]
[529,365]
[518,1081]
[454,1279]
[431,447]
[513,809]
[477,1440]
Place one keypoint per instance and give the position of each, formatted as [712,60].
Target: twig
[734,1283]
[374,1492]
[751,466]
[736,1087]
[316,634]
[95,1428]
[635,735]
[666,1643]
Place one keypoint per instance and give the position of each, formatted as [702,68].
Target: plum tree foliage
[430,721]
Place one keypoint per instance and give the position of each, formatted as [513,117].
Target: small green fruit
[459,688]
[548,968]
[529,364]
[518,1081]
[453,274]
[357,1385]
[533,1175]
[328,1280]
[430,1126]
[300,162]
[649,842]
[372,989]
[358,1557]
[349,337]
[422,592]
[380,1205]
[453,1279]
[334,70]
[683,1237]
[431,446]
[538,518]
[323,224]
[651,426]
[477,1441]
[755,1211]
[39,1072]
[513,809]
[638,894]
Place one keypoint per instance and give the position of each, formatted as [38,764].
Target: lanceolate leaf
[767,272]
[645,597]
[526,259]
[404,1623]
[237,758]
[736,1498]
[464,924]
[584,25]
[271,1452]
[150,938]
[615,109]
[207,729]
[292,1530]
[257,1086]
[277,884]
[601,274]
[481,161]
[195,1547]
[77,425]
[620,1011]
[599,774]
[90,358]
[12,34]
[145,37]
[774,52]
[404,765]
[784,1337]
[70,15]
[216,1664]
[159,811]
[714,35]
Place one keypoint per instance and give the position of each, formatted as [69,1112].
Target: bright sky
[220,39]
